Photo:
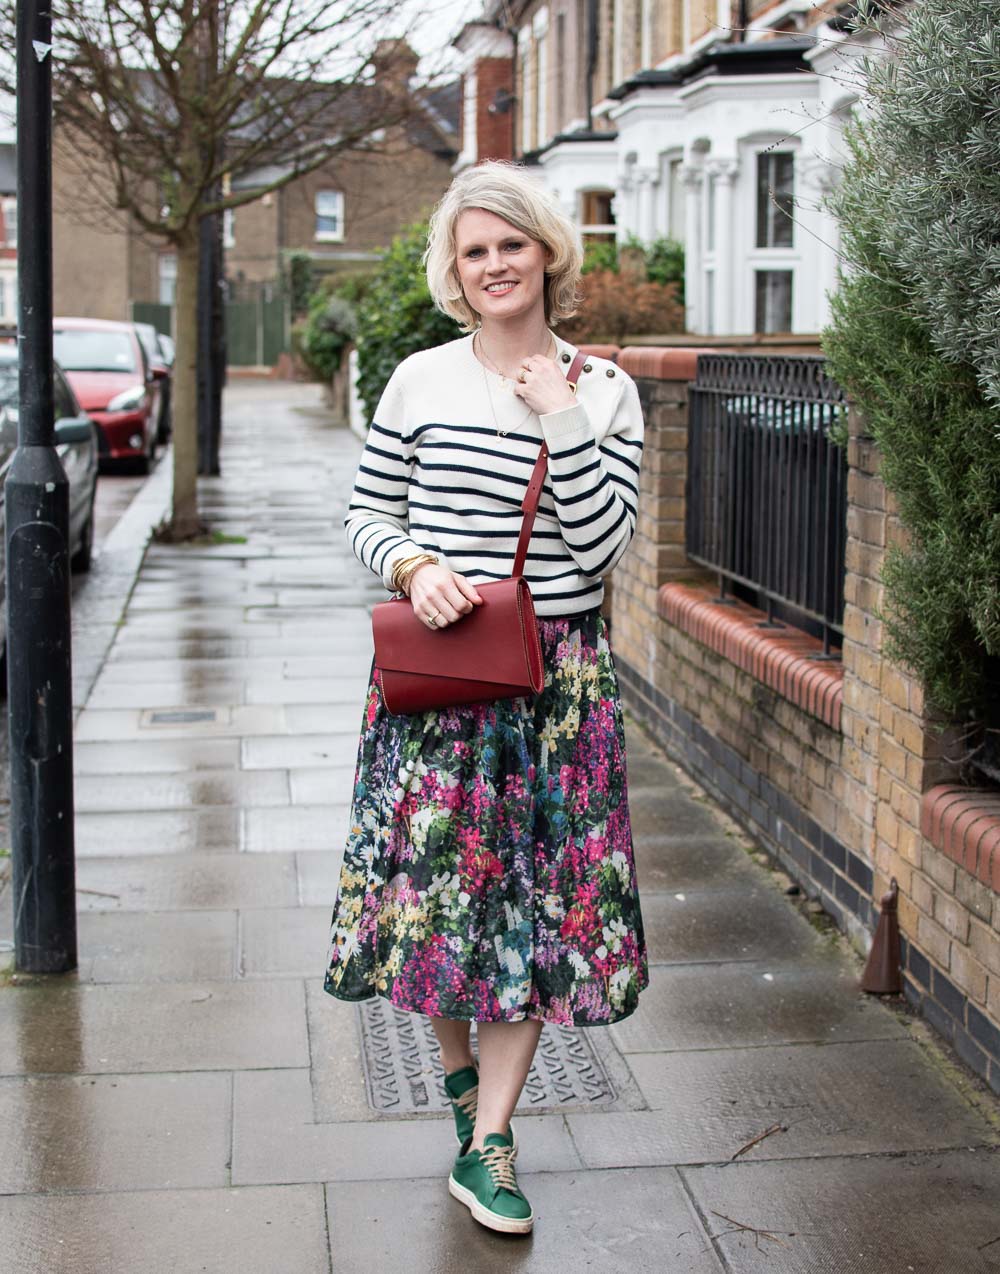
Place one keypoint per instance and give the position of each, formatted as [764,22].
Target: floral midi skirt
[489,873]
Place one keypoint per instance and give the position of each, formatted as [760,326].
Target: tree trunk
[184,519]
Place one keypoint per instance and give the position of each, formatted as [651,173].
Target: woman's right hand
[445,595]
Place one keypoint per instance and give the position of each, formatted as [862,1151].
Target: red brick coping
[779,657]
[964,824]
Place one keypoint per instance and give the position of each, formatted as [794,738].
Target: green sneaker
[463,1088]
[484,1181]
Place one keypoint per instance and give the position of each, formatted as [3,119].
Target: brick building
[340,214]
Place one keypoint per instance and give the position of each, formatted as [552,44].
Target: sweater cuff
[557,425]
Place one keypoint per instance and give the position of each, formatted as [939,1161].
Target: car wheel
[82,559]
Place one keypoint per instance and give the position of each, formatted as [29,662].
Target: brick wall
[494,130]
[843,800]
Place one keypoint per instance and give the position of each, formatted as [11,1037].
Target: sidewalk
[191,1100]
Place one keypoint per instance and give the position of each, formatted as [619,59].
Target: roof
[776,56]
[93,325]
[8,169]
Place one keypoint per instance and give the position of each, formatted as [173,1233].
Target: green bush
[299,267]
[664,260]
[397,316]
[330,326]
[919,205]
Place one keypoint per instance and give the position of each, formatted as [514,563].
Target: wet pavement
[191,1100]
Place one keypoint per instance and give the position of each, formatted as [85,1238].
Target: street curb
[98,611]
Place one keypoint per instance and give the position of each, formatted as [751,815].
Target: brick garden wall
[835,769]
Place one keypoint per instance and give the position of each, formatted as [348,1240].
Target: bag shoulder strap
[530,502]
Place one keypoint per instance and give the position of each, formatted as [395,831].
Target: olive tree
[914,334]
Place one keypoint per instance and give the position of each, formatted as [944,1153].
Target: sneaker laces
[499,1162]
[468,1102]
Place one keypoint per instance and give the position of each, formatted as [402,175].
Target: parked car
[76,446]
[163,370]
[115,383]
[169,354]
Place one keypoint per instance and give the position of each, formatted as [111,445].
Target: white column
[692,177]
[647,180]
[725,172]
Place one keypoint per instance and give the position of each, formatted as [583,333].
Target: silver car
[76,446]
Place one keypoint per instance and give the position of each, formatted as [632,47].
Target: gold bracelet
[404,570]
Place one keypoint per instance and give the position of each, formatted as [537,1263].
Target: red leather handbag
[493,652]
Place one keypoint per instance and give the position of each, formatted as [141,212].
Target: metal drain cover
[404,1077]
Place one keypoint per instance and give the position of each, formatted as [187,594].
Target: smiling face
[501,269]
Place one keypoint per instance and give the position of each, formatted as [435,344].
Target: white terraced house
[717,123]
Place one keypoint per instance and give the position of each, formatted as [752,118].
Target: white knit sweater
[437,476]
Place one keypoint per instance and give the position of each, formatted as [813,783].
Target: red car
[111,375]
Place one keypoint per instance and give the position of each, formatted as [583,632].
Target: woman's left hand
[542,385]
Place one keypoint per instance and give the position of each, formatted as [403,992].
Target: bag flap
[488,644]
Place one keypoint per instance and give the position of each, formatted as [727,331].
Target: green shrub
[664,260]
[600,254]
[299,267]
[397,316]
[329,328]
[918,209]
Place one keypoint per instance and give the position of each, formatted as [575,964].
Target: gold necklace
[501,433]
[506,381]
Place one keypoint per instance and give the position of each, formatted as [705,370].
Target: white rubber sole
[505,1224]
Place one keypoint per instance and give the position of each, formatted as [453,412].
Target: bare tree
[171,98]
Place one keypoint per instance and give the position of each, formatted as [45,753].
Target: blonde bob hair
[508,191]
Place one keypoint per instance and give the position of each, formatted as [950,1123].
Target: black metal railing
[767,489]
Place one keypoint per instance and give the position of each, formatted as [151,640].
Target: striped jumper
[447,462]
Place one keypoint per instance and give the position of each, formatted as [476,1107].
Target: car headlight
[128,399]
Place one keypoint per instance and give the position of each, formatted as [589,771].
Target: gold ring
[430,619]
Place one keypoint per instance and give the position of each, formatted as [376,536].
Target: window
[775,199]
[329,214]
[773,301]
[3,298]
[710,213]
[10,222]
[229,228]
[168,278]
[597,216]
[709,302]
[562,111]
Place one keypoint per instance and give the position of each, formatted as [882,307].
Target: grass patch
[220,537]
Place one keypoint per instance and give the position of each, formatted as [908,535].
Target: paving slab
[113,1132]
[181,790]
[316,786]
[215,1231]
[169,694]
[319,876]
[738,923]
[186,882]
[651,1228]
[685,862]
[200,671]
[880,1096]
[156,756]
[165,946]
[306,690]
[931,1213]
[120,724]
[284,942]
[276,1140]
[315,827]
[654,812]
[157,832]
[304,751]
[65,1027]
[761,1002]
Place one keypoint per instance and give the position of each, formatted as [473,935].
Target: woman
[489,873]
